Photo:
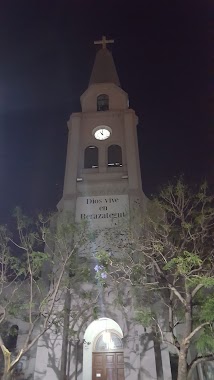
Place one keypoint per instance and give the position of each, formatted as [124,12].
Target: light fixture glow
[106,337]
[108,341]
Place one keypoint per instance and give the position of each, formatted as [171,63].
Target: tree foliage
[170,257]
[37,265]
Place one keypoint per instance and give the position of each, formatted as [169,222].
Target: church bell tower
[102,153]
[103,187]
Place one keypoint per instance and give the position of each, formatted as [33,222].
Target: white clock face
[102,133]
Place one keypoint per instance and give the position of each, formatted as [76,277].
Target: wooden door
[108,366]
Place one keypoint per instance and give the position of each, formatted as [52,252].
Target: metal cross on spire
[103,42]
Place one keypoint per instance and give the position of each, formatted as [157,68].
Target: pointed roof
[104,70]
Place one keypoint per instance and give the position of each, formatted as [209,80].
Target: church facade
[103,186]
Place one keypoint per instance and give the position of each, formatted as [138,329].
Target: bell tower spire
[104,70]
[102,156]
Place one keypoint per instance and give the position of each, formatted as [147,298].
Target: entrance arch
[103,348]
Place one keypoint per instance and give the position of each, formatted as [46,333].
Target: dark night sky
[162,52]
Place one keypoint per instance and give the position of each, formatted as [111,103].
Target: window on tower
[114,156]
[91,157]
[102,102]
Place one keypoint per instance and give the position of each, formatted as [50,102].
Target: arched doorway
[108,359]
[103,357]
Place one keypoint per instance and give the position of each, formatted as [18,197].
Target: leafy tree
[37,264]
[169,260]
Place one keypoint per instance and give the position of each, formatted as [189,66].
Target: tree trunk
[64,357]
[7,374]
[182,363]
